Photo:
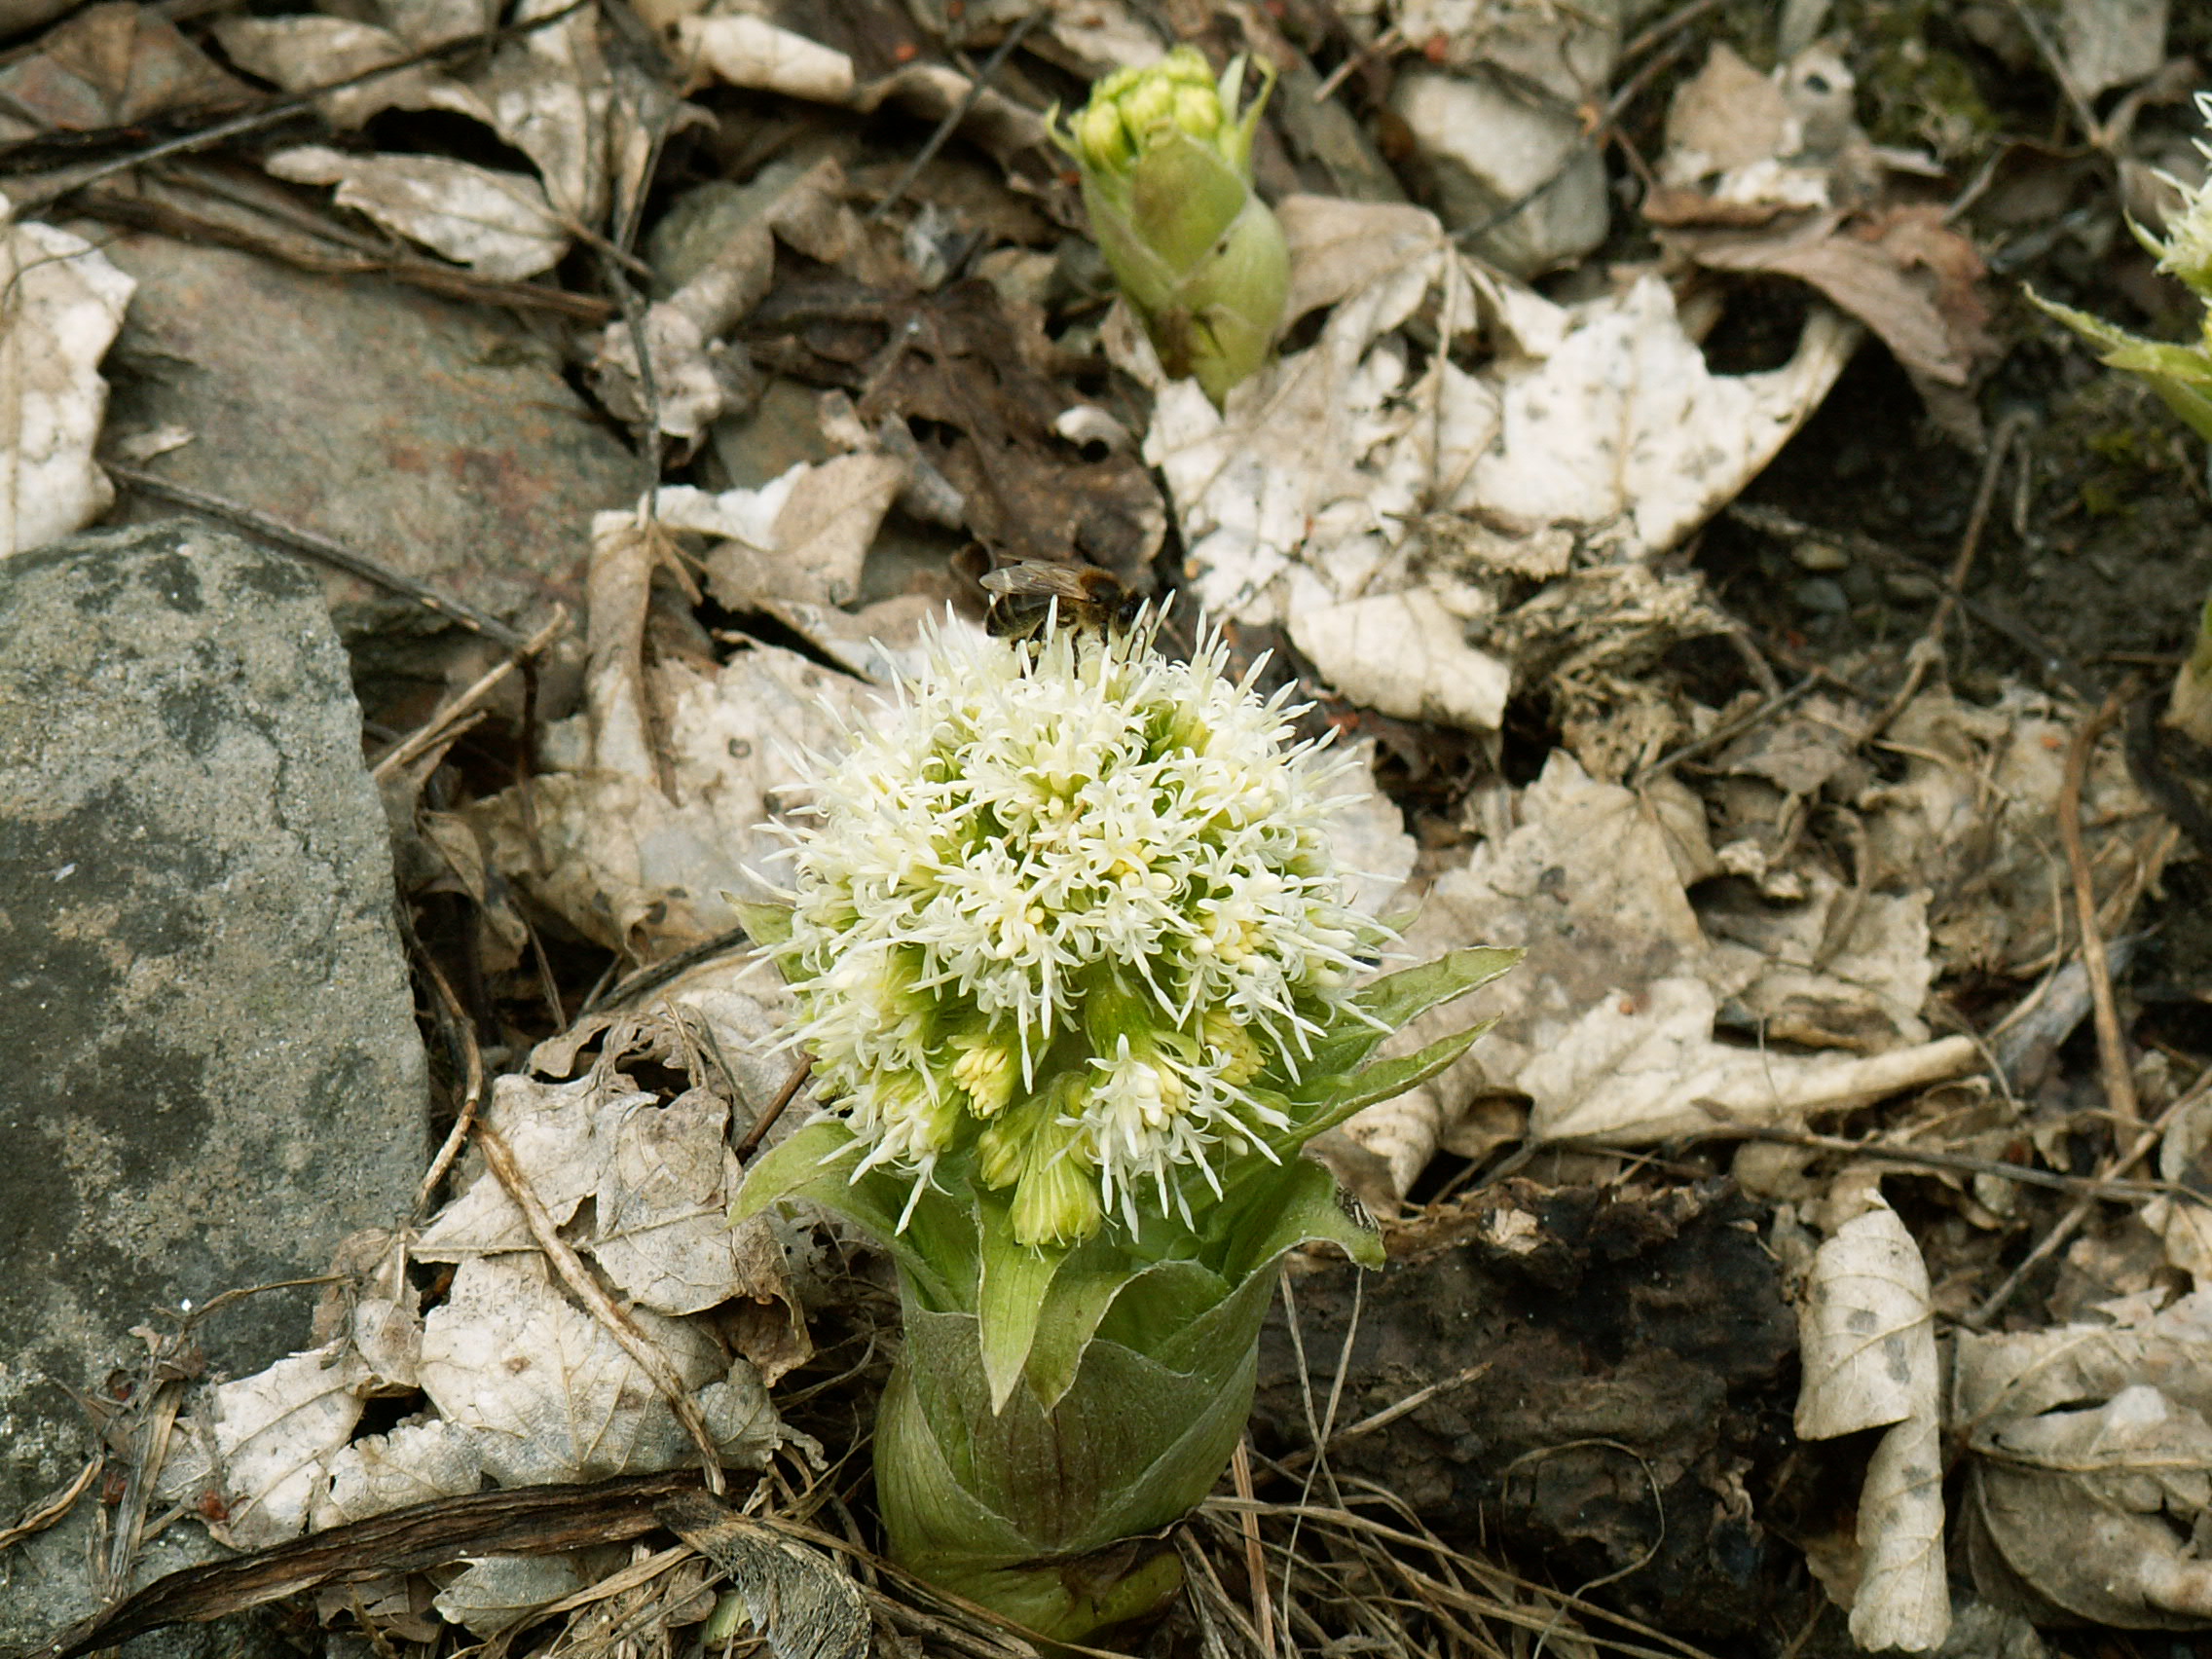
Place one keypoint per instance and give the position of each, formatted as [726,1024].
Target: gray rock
[1518,177]
[213,1071]
[438,439]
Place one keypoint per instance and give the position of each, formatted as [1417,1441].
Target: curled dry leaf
[660,1178]
[697,374]
[1339,478]
[545,1394]
[636,836]
[549,95]
[298,53]
[2091,1477]
[499,224]
[1972,819]
[1608,1024]
[798,539]
[66,305]
[113,65]
[502,1592]
[275,1435]
[744,51]
[1869,1338]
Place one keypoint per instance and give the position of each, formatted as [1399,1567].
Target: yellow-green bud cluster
[1166,160]
[1069,908]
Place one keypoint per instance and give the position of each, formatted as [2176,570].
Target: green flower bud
[1238,1056]
[1169,185]
[1056,1201]
[986,1070]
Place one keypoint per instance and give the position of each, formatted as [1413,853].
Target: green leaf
[1096,1275]
[1010,1296]
[767,925]
[1296,1205]
[816,1163]
[2180,375]
[1336,1099]
[1396,1000]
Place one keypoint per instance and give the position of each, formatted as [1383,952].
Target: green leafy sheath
[1053,1407]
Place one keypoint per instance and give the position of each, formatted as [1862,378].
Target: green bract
[2182,375]
[1167,163]
[1073,959]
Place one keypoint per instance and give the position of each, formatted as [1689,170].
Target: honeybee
[1026,598]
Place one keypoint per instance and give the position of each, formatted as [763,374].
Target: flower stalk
[1073,959]
[1166,164]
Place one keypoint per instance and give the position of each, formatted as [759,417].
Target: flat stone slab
[439,439]
[213,1072]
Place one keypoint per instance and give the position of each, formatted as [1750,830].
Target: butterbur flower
[1071,860]
[1073,959]
[1166,164]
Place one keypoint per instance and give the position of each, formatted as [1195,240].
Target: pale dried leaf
[542,1391]
[2100,1510]
[275,1433]
[388,1335]
[1624,421]
[1725,117]
[1867,1330]
[1607,1026]
[414,1464]
[611,857]
[1867,1333]
[549,96]
[1368,834]
[751,51]
[433,22]
[298,53]
[1905,1594]
[548,1127]
[1335,472]
[668,1176]
[501,1591]
[499,224]
[824,530]
[2013,1375]
[66,303]
[1405,655]
[2112,43]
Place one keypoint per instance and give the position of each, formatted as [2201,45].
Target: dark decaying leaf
[796,1599]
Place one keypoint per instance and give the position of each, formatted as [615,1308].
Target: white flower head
[2186,250]
[1078,896]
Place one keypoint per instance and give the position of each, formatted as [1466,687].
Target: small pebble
[1824,557]
[1821,595]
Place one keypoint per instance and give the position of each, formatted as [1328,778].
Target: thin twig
[36,195]
[1382,1418]
[573,1273]
[450,718]
[958,113]
[1255,1559]
[767,1120]
[292,539]
[2111,1042]
[1928,651]
[2090,1187]
[472,1087]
